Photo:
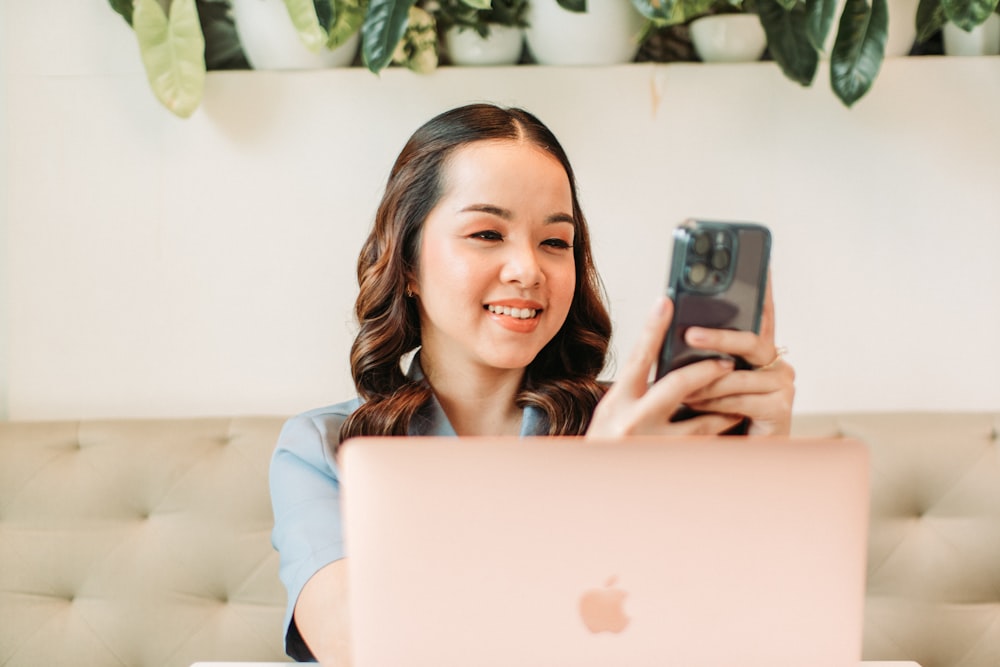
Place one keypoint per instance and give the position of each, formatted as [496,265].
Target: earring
[409,293]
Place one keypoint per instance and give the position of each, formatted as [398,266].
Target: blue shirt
[305,492]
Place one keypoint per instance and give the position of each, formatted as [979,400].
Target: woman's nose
[521,265]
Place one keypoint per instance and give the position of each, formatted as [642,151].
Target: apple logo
[602,609]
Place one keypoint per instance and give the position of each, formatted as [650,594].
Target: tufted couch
[146,542]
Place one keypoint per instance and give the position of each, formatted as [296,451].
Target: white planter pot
[902,27]
[502,47]
[270,41]
[606,34]
[728,38]
[983,40]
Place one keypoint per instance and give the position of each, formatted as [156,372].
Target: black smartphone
[718,278]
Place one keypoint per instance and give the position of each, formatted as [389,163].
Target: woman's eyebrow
[488,208]
[560,217]
[506,214]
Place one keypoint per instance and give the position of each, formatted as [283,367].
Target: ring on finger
[779,352]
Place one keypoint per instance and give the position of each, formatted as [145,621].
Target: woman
[480,257]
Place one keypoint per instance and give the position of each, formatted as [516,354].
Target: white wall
[4,327]
[165,267]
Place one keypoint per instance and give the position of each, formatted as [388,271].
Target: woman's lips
[516,313]
[519,318]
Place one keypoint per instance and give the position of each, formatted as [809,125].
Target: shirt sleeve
[305,497]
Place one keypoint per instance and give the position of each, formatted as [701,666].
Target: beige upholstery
[146,542]
[137,543]
[934,539]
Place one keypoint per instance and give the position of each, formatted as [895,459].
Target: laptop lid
[643,551]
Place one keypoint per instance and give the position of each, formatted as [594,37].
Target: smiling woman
[480,260]
[496,274]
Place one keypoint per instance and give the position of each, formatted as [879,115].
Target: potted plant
[482,32]
[796,33]
[174,50]
[299,34]
[726,32]
[180,39]
[935,15]
[584,32]
[396,31]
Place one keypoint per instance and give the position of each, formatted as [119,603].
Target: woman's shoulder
[317,426]
[337,411]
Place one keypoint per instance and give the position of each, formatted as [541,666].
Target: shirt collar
[433,421]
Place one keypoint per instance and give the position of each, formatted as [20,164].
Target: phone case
[718,277]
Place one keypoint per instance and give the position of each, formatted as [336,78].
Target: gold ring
[779,352]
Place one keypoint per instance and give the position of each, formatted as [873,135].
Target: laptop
[631,552]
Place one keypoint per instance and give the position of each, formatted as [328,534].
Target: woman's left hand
[765,394]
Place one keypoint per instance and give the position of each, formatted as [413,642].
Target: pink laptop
[562,551]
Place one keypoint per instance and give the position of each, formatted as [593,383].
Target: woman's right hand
[634,407]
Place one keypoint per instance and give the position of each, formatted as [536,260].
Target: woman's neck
[477,401]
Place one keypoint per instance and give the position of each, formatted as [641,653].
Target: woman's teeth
[518,313]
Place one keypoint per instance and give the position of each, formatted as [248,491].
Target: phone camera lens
[720,258]
[697,273]
[702,244]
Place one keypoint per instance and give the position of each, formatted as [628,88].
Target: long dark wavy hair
[562,378]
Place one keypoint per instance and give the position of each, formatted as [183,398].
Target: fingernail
[726,364]
[696,335]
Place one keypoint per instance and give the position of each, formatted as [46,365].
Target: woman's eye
[557,243]
[488,235]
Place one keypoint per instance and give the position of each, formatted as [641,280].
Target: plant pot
[502,46]
[902,28]
[270,40]
[728,38]
[607,33]
[983,40]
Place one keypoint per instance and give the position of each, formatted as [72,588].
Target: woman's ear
[412,288]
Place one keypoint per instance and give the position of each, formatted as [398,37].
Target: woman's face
[496,273]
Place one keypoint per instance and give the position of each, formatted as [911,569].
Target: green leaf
[381,31]
[664,12]
[173,52]
[967,14]
[788,5]
[123,7]
[326,11]
[859,49]
[350,16]
[578,6]
[788,40]
[930,19]
[223,49]
[819,19]
[418,49]
[306,22]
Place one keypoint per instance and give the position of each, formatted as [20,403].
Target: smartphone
[718,277]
